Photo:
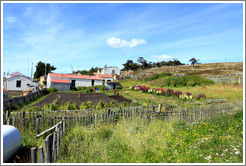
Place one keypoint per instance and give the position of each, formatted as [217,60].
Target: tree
[40,69]
[129,65]
[143,62]
[194,61]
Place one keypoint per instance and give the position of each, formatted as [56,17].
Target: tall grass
[217,140]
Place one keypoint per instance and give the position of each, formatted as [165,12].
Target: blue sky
[95,34]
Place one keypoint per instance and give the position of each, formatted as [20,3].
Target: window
[92,82]
[18,84]
[108,80]
[112,71]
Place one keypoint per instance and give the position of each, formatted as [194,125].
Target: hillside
[205,69]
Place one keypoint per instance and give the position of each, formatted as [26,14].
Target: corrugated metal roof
[74,76]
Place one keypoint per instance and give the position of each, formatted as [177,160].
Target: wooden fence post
[34,155]
[13,121]
[64,125]
[48,148]
[41,154]
[23,120]
[37,126]
[54,147]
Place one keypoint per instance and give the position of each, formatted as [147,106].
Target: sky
[78,36]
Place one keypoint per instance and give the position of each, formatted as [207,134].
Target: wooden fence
[10,103]
[58,121]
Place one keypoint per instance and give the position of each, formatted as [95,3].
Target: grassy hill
[205,69]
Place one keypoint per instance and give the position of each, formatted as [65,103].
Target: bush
[51,89]
[186,81]
[100,105]
[119,87]
[201,96]
[84,106]
[156,76]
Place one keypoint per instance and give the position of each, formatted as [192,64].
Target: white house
[65,82]
[18,82]
[113,70]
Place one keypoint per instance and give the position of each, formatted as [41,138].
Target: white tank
[12,141]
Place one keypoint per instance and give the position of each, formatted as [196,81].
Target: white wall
[109,70]
[11,83]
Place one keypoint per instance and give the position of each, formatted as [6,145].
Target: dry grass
[206,69]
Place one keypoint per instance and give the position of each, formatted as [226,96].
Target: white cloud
[163,57]
[10,19]
[119,43]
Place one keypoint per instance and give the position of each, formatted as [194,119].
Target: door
[92,82]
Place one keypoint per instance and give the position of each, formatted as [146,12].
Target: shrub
[51,89]
[178,93]
[83,106]
[119,87]
[100,105]
[201,96]
[169,92]
[90,104]
[186,81]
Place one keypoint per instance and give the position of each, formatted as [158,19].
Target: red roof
[105,75]
[57,75]
[60,81]
[5,90]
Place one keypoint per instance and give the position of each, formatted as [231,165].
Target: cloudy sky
[98,34]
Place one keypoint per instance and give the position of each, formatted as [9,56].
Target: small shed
[112,85]
[61,85]
[5,94]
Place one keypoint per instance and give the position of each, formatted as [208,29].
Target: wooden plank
[48,130]
[34,155]
[41,154]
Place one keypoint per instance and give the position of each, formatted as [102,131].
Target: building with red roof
[66,82]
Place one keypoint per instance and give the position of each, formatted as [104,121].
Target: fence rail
[58,121]
[9,103]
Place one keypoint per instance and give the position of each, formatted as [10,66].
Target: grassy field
[215,91]
[216,140]
[205,69]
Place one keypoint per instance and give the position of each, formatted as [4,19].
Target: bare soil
[79,98]
[120,99]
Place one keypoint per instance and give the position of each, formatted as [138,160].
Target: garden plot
[79,98]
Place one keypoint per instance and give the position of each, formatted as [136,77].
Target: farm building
[112,85]
[112,70]
[18,82]
[5,94]
[106,77]
[66,82]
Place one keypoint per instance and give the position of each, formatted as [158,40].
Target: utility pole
[46,55]
[31,71]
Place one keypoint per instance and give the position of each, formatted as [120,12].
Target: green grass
[217,140]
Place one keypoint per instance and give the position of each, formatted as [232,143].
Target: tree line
[144,64]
